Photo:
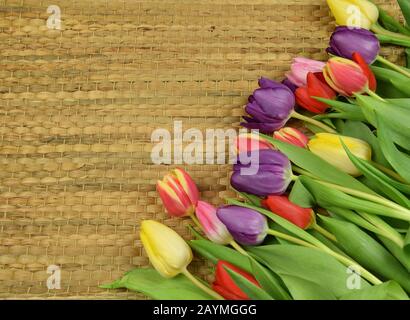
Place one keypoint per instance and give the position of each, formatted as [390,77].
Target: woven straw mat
[78,106]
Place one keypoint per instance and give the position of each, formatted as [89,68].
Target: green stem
[374,95]
[324,232]
[376,28]
[201,286]
[346,261]
[319,124]
[389,172]
[377,199]
[196,221]
[238,248]
[393,66]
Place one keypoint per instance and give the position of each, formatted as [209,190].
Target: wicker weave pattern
[77,108]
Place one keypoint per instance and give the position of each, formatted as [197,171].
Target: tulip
[167,251]
[289,84]
[214,229]
[345,76]
[316,87]
[247,226]
[227,287]
[357,57]
[272,176]
[248,142]
[354,13]
[302,217]
[345,41]
[270,106]
[300,69]
[178,193]
[291,136]
[169,254]
[330,148]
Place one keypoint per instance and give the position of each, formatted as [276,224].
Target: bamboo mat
[78,106]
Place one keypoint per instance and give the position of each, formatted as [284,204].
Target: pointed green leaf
[367,251]
[401,255]
[398,160]
[306,263]
[390,290]
[391,23]
[301,196]
[215,252]
[251,290]
[302,289]
[152,284]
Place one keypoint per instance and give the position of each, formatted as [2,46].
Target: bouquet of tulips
[326,215]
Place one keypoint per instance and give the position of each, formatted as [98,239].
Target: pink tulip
[214,229]
[292,136]
[300,69]
[178,193]
[249,142]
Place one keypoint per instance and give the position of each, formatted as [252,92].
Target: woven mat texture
[78,106]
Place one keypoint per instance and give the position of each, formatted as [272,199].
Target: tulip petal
[188,185]
[366,70]
[171,200]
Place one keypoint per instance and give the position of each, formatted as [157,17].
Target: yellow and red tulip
[292,136]
[329,147]
[167,251]
[178,193]
[345,76]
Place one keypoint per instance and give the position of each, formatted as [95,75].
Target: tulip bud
[345,76]
[214,229]
[316,87]
[354,13]
[178,193]
[300,69]
[247,226]
[248,142]
[346,40]
[291,136]
[167,251]
[224,284]
[273,174]
[270,106]
[302,217]
[329,147]
[289,84]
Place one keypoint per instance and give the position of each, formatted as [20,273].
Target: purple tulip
[345,41]
[290,84]
[273,175]
[247,226]
[270,106]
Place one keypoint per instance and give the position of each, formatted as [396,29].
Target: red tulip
[292,136]
[225,286]
[281,205]
[316,87]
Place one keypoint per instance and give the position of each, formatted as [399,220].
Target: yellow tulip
[329,147]
[354,13]
[167,251]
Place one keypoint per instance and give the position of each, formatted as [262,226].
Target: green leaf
[394,78]
[367,251]
[215,252]
[405,8]
[401,255]
[268,281]
[195,233]
[381,185]
[152,284]
[398,160]
[390,290]
[403,102]
[301,196]
[361,131]
[306,263]
[329,197]
[375,225]
[391,23]
[391,39]
[302,289]
[408,58]
[252,199]
[251,290]
[317,166]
